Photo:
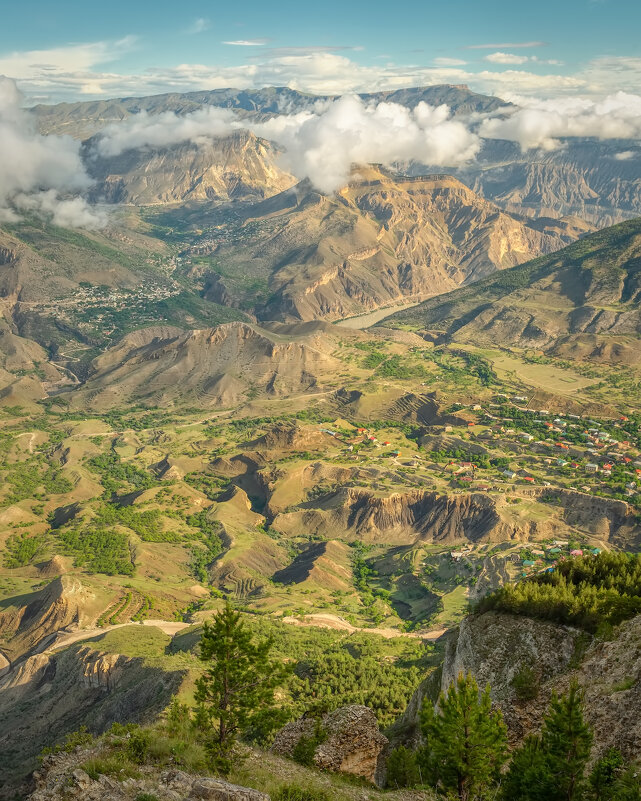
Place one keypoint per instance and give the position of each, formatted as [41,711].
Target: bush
[305,748]
[138,744]
[525,684]
[402,768]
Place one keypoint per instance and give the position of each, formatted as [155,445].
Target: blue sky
[74,50]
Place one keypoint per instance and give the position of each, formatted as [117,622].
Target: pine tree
[236,691]
[551,766]
[466,740]
[566,740]
[604,774]
[528,778]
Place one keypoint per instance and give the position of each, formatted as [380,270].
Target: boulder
[353,743]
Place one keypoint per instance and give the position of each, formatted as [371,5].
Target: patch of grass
[112,765]
[622,686]
[295,792]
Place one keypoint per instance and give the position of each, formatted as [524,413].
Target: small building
[591,468]
[576,552]
[509,474]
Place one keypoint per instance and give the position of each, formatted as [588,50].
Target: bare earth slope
[211,366]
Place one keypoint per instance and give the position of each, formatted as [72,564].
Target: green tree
[566,740]
[528,778]
[604,774]
[551,766]
[236,691]
[627,787]
[466,740]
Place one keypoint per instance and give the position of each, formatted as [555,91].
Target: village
[505,448]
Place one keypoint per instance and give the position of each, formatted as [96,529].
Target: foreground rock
[353,742]
[60,778]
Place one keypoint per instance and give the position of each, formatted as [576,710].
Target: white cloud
[506,58]
[541,124]
[322,145]
[70,72]
[57,63]
[625,155]
[247,42]
[37,172]
[163,130]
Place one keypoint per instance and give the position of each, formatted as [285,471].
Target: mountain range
[599,181]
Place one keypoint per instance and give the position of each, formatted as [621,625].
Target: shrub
[402,768]
[525,684]
[138,744]
[305,748]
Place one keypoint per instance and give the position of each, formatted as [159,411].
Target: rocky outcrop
[353,743]
[236,167]
[496,647]
[61,779]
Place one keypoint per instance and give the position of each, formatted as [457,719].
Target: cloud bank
[542,124]
[322,145]
[36,172]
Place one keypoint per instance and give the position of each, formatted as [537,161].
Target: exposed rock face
[382,239]
[354,743]
[584,177]
[59,605]
[421,516]
[47,696]
[495,647]
[236,167]
[402,518]
[59,778]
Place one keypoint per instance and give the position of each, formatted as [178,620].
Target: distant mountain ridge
[85,118]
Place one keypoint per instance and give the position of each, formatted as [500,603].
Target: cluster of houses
[567,442]
[539,559]
[363,436]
